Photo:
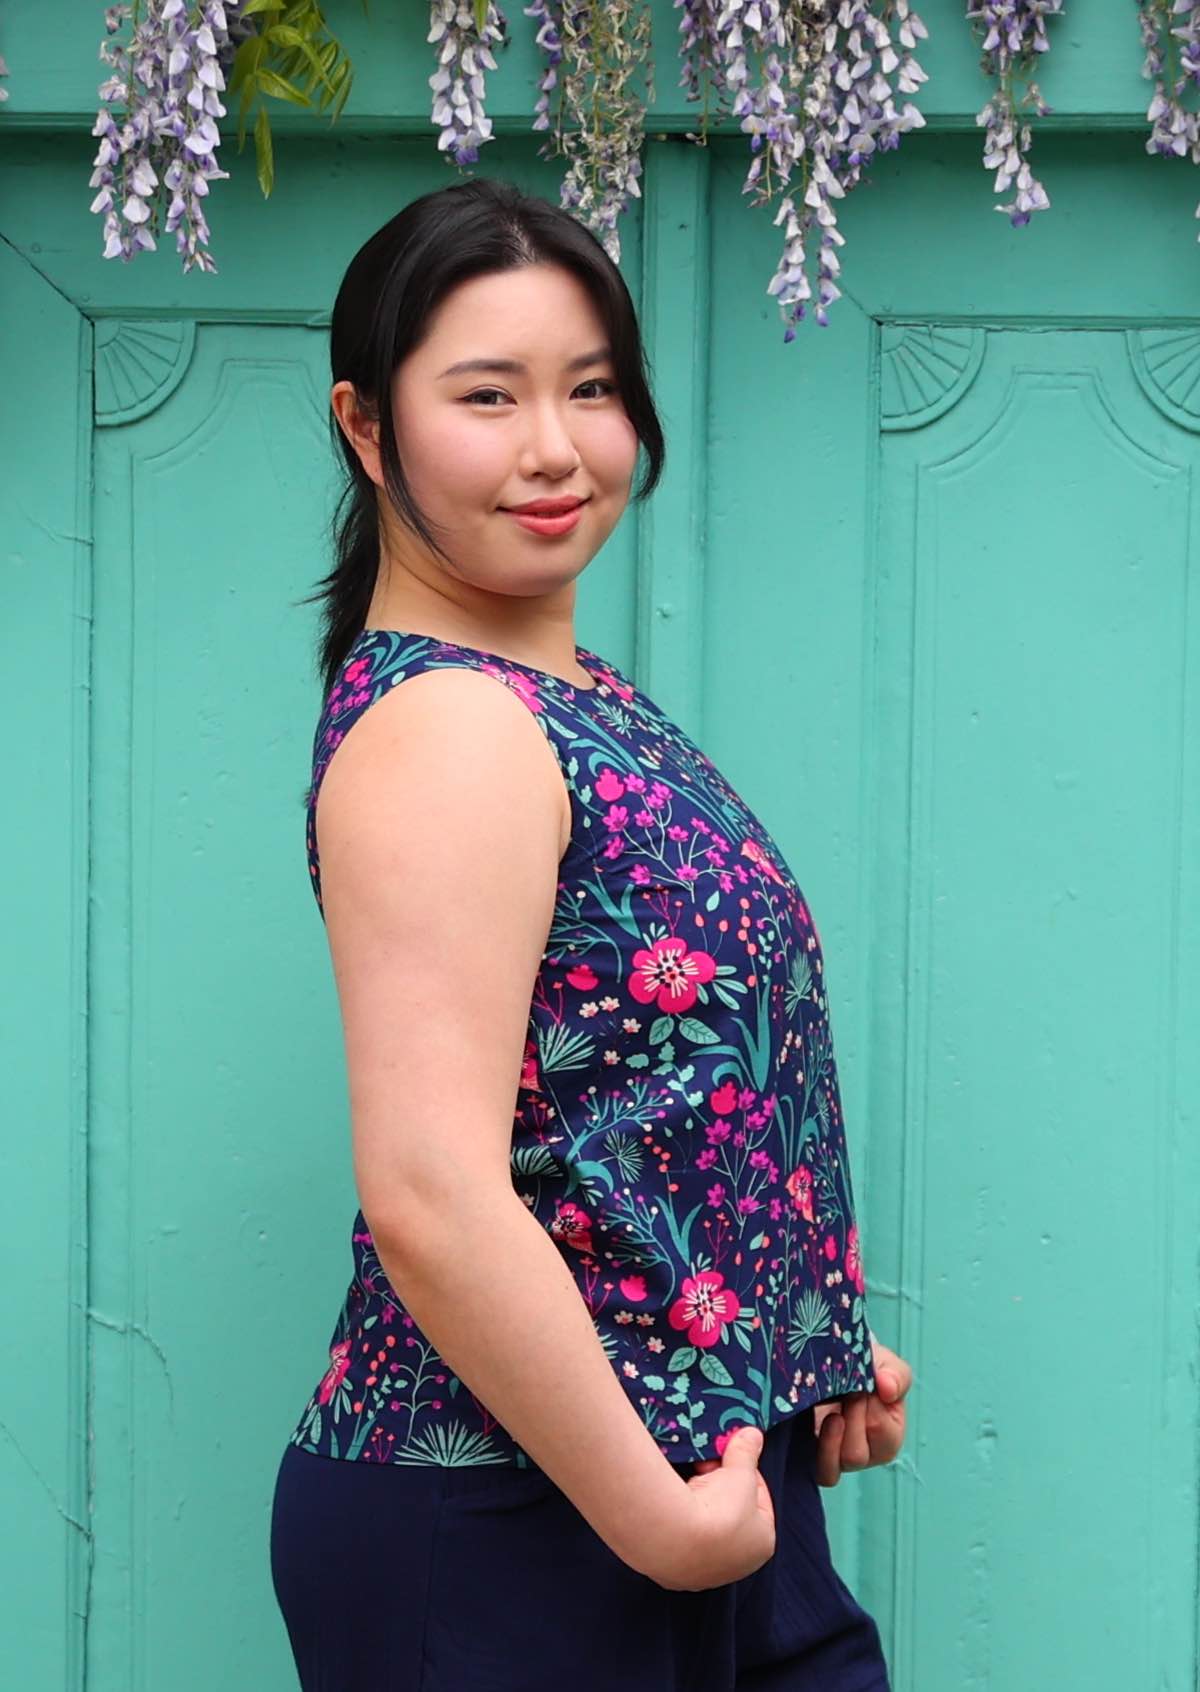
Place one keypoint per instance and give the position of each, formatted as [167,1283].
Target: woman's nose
[550,445]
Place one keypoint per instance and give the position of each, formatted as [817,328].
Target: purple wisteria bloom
[1013,32]
[168,79]
[810,82]
[591,51]
[464,55]
[1174,131]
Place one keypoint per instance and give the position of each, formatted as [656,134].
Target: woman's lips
[560,525]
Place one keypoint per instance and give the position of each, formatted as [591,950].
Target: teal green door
[923,584]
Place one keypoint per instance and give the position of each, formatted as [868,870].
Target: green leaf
[654,1382]
[264,153]
[784,1404]
[660,1029]
[715,1370]
[682,1358]
[588,1170]
[269,83]
[713,900]
[699,1033]
[481,10]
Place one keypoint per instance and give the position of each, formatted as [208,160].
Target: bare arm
[441,821]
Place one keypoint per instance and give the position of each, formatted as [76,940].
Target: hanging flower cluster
[464,54]
[594,49]
[810,82]
[1013,33]
[169,124]
[826,106]
[1175,132]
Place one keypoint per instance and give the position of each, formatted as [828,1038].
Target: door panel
[45,442]
[957,545]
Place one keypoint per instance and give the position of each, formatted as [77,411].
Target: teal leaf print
[783,1405]
[627,1153]
[699,1033]
[560,1049]
[682,1358]
[799,982]
[660,1029]
[714,1369]
[589,1174]
[533,1160]
[654,1382]
[454,1446]
[812,1320]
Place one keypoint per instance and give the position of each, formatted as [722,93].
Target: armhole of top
[574,810]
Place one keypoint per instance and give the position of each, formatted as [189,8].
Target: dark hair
[393,283]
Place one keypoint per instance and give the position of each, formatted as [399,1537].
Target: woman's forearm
[489,1289]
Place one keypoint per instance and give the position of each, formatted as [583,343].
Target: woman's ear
[360,425]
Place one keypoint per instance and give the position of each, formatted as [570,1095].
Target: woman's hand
[865,1428]
[862,1429]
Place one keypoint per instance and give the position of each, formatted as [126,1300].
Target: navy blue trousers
[399,1578]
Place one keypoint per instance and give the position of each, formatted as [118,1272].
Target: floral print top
[678,1128]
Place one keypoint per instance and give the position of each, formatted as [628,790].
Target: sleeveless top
[677,1126]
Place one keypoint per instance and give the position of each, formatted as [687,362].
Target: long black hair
[393,283]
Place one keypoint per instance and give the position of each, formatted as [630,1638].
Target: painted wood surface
[922,583]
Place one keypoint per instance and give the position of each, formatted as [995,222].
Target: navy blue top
[678,1127]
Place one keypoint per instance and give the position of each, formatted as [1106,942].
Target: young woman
[606,1262]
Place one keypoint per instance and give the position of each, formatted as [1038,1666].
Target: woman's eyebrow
[514,367]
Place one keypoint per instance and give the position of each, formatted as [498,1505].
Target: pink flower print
[573,1226]
[633,1287]
[799,1183]
[529,1068]
[524,685]
[704,1305]
[830,1247]
[716,1195]
[854,1259]
[584,977]
[624,690]
[723,1439]
[724,1099]
[608,786]
[706,1158]
[332,1380]
[752,850]
[353,672]
[666,974]
[616,817]
[635,783]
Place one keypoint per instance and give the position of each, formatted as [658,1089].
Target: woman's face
[475,442]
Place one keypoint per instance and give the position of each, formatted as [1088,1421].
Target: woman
[606,1262]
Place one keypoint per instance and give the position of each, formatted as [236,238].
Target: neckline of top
[581,652]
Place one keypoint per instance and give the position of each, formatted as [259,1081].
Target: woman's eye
[592,382]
